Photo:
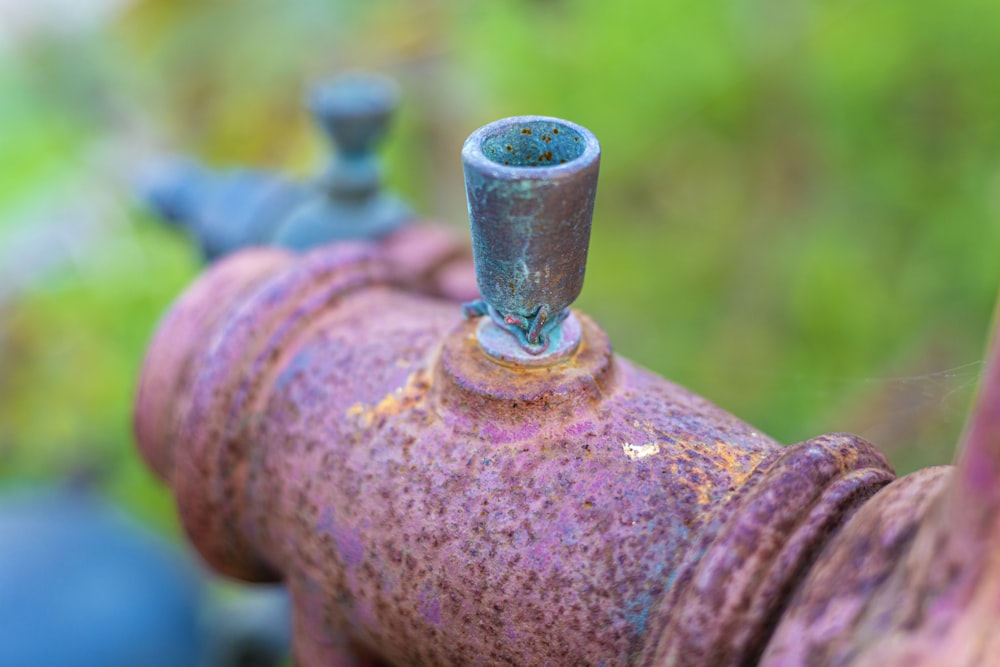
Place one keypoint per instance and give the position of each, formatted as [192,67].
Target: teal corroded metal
[224,211]
[354,111]
[530,183]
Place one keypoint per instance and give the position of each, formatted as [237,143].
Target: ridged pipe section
[429,505]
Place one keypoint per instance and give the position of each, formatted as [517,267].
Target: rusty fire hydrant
[501,489]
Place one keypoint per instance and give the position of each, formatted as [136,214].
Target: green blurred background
[798,217]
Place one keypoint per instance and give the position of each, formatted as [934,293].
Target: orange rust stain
[731,458]
[738,470]
[410,395]
[848,459]
[702,492]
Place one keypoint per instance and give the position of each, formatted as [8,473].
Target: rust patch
[409,396]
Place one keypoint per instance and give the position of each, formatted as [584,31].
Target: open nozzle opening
[534,143]
[530,183]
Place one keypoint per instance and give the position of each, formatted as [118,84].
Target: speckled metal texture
[826,610]
[530,184]
[725,604]
[429,506]
[427,258]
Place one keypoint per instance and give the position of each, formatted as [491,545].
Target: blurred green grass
[798,216]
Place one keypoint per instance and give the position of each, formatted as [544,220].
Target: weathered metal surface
[333,421]
[430,506]
[725,607]
[826,609]
[530,182]
[427,258]
[174,357]
[226,211]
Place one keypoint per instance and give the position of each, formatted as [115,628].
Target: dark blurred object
[225,211]
[82,585]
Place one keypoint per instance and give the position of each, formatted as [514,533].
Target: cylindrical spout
[530,183]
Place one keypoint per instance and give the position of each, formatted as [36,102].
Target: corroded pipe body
[331,420]
[430,506]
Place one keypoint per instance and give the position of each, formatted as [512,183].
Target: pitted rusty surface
[211,476]
[853,566]
[939,604]
[429,506]
[498,513]
[487,388]
[731,591]
[176,354]
[913,580]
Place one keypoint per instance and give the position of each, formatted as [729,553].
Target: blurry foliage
[799,211]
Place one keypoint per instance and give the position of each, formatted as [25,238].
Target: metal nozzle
[530,183]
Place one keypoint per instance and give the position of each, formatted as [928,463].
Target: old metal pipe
[323,422]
